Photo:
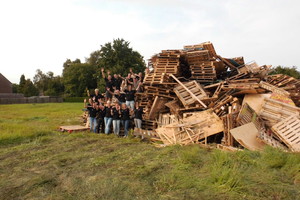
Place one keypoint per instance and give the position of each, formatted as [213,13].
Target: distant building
[5,85]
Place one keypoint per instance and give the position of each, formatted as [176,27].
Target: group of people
[117,107]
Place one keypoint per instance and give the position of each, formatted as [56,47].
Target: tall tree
[48,84]
[29,89]
[117,57]
[22,83]
[77,77]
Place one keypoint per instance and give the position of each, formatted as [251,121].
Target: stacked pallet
[193,95]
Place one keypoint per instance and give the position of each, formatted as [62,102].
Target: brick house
[5,85]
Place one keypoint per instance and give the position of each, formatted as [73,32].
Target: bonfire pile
[193,95]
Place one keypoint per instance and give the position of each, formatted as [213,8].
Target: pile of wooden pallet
[193,95]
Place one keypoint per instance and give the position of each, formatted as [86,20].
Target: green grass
[37,162]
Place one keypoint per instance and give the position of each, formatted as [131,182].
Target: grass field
[38,162]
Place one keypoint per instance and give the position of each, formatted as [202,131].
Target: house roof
[4,78]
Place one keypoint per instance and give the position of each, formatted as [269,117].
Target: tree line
[117,57]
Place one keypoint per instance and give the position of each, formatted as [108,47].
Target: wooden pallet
[281,80]
[156,79]
[174,106]
[273,88]
[239,76]
[157,106]
[273,111]
[229,123]
[204,72]
[197,57]
[73,128]
[251,67]
[149,124]
[220,105]
[166,119]
[288,130]
[247,115]
[157,91]
[203,46]
[184,93]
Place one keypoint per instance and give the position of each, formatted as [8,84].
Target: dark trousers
[100,125]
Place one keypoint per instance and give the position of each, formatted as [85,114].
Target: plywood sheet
[255,101]
[247,135]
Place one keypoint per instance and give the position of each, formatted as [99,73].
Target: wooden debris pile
[193,95]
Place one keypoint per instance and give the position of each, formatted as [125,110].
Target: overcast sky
[42,34]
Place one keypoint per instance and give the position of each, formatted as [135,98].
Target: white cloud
[43,34]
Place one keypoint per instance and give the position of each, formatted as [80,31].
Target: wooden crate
[185,96]
[288,130]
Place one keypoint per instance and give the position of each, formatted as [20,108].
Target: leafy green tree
[117,57]
[21,84]
[290,71]
[29,89]
[15,88]
[48,84]
[77,77]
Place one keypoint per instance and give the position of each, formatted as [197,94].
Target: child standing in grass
[92,108]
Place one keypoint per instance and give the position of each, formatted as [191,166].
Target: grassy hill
[38,162]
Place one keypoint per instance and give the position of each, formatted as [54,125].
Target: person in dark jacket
[130,95]
[97,97]
[121,97]
[108,117]
[116,117]
[92,108]
[108,85]
[125,118]
[138,116]
[100,119]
